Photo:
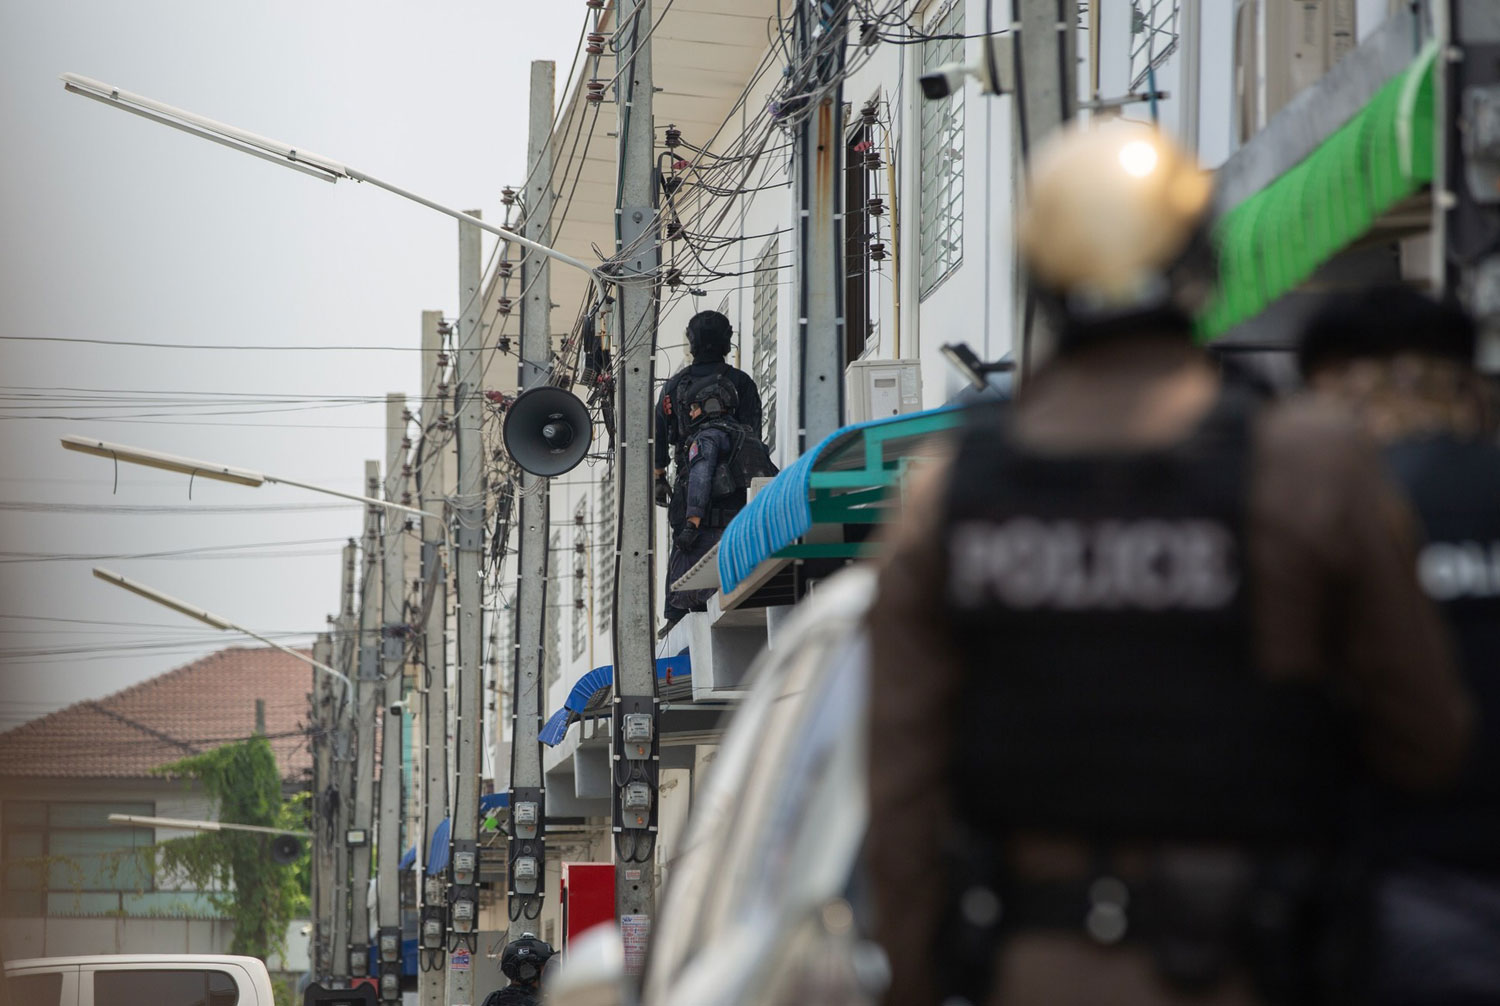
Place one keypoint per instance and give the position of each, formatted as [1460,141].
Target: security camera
[993,71]
[945,80]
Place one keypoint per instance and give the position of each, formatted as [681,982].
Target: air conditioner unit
[1299,41]
[878,389]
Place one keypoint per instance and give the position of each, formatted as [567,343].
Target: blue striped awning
[853,458]
[592,689]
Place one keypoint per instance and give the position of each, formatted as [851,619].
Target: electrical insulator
[671,183]
[867,113]
[406,441]
[594,4]
[673,277]
[595,46]
[406,416]
[504,270]
[504,305]
[442,389]
[868,36]
[674,137]
[406,501]
[504,344]
[595,91]
[674,230]
[406,471]
[507,196]
[872,160]
[877,251]
[875,207]
[442,360]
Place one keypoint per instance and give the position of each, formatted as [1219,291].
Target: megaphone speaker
[547,431]
[285,849]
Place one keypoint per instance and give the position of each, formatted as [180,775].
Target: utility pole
[432,492]
[821,28]
[527,865]
[463,894]
[392,664]
[369,691]
[1045,50]
[325,697]
[339,804]
[635,757]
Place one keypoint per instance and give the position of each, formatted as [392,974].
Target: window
[940,213]
[41,989]
[165,988]
[580,578]
[67,859]
[763,336]
[604,582]
[859,231]
[1153,38]
[552,619]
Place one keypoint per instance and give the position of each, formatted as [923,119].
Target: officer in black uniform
[1107,751]
[1404,362]
[702,515]
[522,962]
[709,340]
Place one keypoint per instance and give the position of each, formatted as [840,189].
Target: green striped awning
[1274,240]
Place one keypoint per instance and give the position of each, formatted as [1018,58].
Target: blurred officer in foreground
[522,962]
[1127,644]
[1404,363]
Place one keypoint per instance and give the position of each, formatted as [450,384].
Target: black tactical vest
[1454,484]
[1101,604]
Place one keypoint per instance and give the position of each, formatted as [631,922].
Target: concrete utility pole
[527,865]
[325,698]
[432,492]
[392,666]
[1046,97]
[463,894]
[344,755]
[819,174]
[635,720]
[369,693]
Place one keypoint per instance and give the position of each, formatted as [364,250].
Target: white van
[140,980]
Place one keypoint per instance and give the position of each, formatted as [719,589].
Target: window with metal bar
[940,209]
[763,335]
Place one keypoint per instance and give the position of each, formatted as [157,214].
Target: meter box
[879,389]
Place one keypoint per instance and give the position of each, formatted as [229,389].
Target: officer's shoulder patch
[693,451]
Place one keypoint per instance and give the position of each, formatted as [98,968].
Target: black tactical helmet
[709,334]
[523,959]
[714,395]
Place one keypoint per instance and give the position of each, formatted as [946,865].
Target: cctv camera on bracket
[994,71]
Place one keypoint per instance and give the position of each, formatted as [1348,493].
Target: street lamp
[216,621]
[217,472]
[293,157]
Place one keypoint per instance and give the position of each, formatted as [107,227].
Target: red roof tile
[194,708]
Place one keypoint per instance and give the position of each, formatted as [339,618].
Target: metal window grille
[1153,37]
[763,335]
[604,583]
[940,212]
[580,578]
[552,623]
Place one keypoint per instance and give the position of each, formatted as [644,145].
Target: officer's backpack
[748,459]
[694,389]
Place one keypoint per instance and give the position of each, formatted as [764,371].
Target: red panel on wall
[588,897]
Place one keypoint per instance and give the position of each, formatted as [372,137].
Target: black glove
[663,491]
[688,537]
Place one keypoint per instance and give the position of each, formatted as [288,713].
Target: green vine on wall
[261,896]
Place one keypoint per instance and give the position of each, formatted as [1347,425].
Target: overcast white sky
[117,228]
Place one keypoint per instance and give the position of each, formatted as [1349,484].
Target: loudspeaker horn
[547,431]
[285,849]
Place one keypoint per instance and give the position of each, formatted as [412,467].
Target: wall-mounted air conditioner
[877,389]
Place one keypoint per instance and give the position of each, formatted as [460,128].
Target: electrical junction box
[879,389]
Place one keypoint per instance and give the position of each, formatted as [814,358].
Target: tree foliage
[261,896]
